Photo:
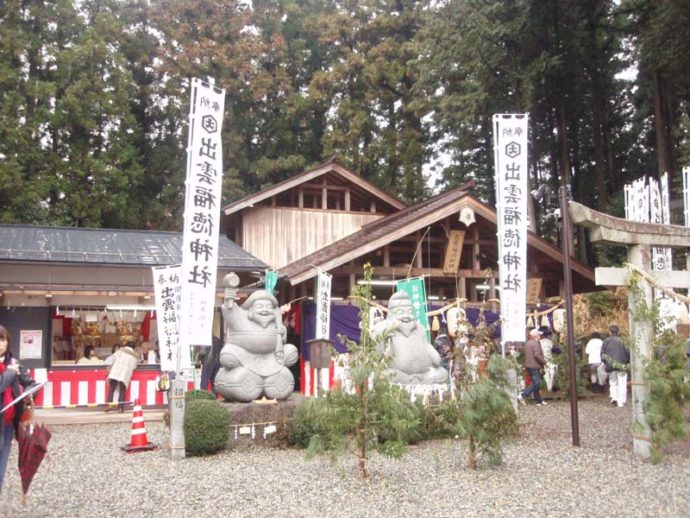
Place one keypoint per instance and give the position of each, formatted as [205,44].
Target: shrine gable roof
[415,218]
[332,170]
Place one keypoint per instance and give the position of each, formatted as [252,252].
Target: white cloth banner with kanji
[323,305]
[166,288]
[201,213]
[510,151]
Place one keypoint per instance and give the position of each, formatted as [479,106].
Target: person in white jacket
[597,374]
[125,360]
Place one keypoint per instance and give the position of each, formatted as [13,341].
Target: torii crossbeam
[639,238]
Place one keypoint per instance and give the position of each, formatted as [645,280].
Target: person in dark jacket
[443,346]
[534,362]
[616,357]
[13,378]
[210,363]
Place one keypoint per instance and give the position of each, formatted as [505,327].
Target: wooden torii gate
[639,238]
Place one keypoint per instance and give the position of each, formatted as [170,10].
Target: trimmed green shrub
[206,426]
[198,394]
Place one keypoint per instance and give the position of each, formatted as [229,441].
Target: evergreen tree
[658,33]
[486,416]
[99,171]
[29,41]
[377,416]
[376,115]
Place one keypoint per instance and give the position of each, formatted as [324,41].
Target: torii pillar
[639,238]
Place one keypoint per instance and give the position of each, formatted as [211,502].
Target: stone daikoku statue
[414,359]
[255,358]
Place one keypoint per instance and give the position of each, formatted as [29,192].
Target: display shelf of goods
[62,349]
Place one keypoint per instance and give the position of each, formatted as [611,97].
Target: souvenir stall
[65,289]
[73,329]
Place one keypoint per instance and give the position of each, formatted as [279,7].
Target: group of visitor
[608,359]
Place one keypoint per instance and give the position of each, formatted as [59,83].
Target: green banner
[271,280]
[416,290]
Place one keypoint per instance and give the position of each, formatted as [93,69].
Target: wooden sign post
[639,238]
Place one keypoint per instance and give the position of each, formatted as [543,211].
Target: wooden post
[641,330]
[177,408]
[567,242]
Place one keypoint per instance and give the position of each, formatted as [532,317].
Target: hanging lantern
[530,323]
[545,321]
[455,317]
[559,320]
[435,325]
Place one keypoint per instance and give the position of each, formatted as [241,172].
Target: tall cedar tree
[93,109]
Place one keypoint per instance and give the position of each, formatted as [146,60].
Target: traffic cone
[139,441]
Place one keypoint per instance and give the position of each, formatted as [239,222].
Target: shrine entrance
[639,238]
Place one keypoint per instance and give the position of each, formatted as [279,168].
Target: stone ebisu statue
[414,360]
[255,358]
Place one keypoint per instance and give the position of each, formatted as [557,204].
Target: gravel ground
[87,474]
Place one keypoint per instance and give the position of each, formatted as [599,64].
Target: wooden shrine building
[332,219]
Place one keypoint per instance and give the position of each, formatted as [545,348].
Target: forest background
[94,99]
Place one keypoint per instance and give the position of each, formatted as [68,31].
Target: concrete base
[260,415]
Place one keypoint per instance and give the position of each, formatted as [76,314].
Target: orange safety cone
[139,441]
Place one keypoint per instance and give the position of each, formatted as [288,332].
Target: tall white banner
[167,289]
[686,197]
[201,213]
[323,305]
[510,152]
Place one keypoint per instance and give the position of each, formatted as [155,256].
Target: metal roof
[69,245]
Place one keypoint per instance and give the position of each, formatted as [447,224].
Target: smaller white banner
[656,217]
[666,216]
[167,289]
[323,305]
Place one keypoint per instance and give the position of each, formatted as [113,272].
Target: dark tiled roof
[27,243]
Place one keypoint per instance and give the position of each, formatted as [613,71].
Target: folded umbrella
[33,445]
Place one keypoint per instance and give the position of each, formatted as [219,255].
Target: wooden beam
[420,251]
[475,248]
[400,272]
[318,186]
[617,231]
